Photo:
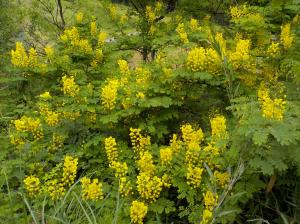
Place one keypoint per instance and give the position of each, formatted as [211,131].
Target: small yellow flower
[91,189]
[79,17]
[32,185]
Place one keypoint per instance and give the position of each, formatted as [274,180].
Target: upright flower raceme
[271,108]
[69,171]
[286,36]
[138,211]
[21,59]
[111,150]
[218,127]
[32,185]
[109,94]
[182,33]
[273,50]
[69,86]
[241,56]
[29,124]
[93,28]
[91,189]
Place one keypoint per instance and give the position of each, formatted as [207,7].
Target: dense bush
[161,118]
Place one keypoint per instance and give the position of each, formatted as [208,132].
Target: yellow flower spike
[150,15]
[191,136]
[286,36]
[182,33]
[93,28]
[206,217]
[32,186]
[28,124]
[149,187]
[166,155]
[210,200]
[194,25]
[98,56]
[241,56]
[125,187]
[19,56]
[222,178]
[123,67]
[271,108]
[121,169]
[109,94]
[70,87]
[194,176]
[145,163]
[111,150]
[138,141]
[273,50]
[101,38]
[112,11]
[218,127]
[138,211]
[79,17]
[52,118]
[91,189]
[49,51]
[69,171]
[46,95]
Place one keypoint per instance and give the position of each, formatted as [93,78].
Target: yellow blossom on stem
[79,17]
[286,36]
[194,176]
[69,171]
[166,155]
[111,150]
[49,51]
[218,127]
[121,169]
[55,189]
[125,187]
[210,200]
[91,189]
[28,124]
[101,38]
[45,96]
[19,56]
[123,67]
[70,87]
[149,187]
[175,144]
[273,50]
[206,217]
[109,94]
[271,108]
[150,15]
[32,58]
[145,163]
[98,56]
[241,55]
[138,211]
[138,141]
[222,178]
[194,24]
[32,185]
[237,12]
[182,33]
[112,11]
[93,27]
[52,118]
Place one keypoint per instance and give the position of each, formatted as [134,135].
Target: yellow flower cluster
[32,185]
[149,187]
[112,11]
[286,36]
[200,59]
[194,25]
[194,176]
[57,141]
[191,136]
[175,144]
[210,200]
[212,149]
[19,57]
[138,141]
[271,108]
[145,163]
[17,141]
[142,77]
[98,56]
[94,29]
[70,87]
[91,189]
[71,115]
[182,33]
[123,67]
[241,56]
[237,12]
[273,50]
[222,178]
[49,51]
[218,127]
[101,38]
[150,14]
[125,187]
[69,171]
[138,211]
[166,155]
[207,216]
[45,96]
[109,94]
[73,36]
[29,124]
[51,118]
[111,150]
[55,189]
[79,17]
